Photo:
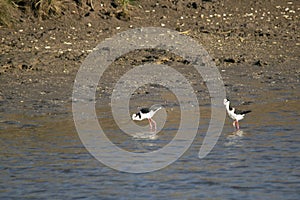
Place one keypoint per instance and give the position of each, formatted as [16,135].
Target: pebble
[67,43]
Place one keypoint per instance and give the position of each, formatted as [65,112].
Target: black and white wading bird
[234,114]
[146,113]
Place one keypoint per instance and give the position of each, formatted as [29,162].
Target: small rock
[23,66]
[192,5]
[229,60]
[257,63]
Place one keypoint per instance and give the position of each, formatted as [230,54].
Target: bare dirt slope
[256,41]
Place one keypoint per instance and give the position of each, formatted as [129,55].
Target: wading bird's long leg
[237,125]
[154,124]
[150,124]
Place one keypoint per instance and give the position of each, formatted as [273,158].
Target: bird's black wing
[145,110]
[242,112]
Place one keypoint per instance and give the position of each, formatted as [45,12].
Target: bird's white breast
[234,116]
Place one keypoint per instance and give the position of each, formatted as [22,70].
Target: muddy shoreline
[255,45]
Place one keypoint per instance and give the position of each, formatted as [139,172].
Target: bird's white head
[226,102]
[136,116]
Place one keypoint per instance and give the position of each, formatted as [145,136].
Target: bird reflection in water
[234,138]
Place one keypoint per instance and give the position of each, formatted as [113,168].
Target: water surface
[42,157]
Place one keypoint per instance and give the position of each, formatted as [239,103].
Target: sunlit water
[43,158]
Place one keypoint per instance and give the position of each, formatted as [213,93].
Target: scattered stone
[192,5]
[257,63]
[229,60]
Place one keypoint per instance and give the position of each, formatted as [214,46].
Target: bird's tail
[245,112]
[156,108]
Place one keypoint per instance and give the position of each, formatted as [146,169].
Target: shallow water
[42,157]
